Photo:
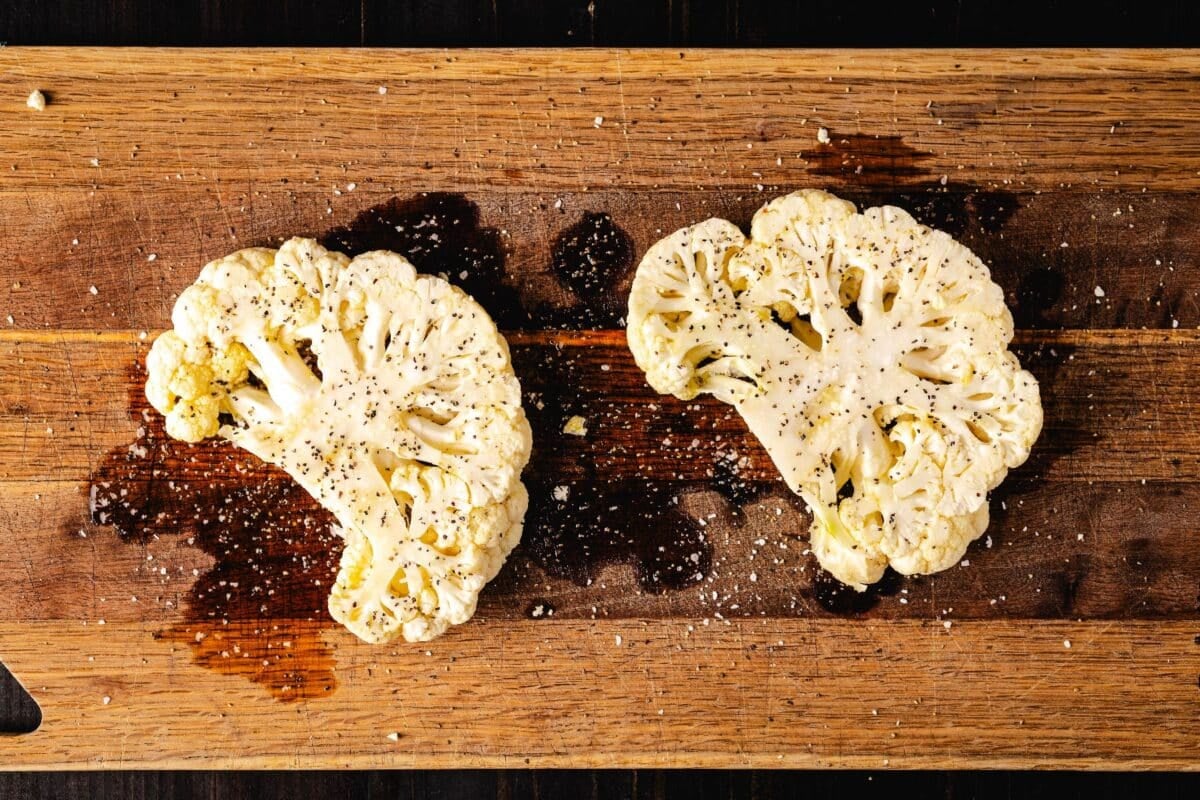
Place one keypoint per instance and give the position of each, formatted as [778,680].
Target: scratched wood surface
[666,613]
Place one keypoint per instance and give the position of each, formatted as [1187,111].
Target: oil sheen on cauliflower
[408,427]
[867,352]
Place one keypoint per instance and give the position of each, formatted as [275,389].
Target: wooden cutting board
[668,612]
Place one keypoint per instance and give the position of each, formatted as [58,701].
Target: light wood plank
[751,693]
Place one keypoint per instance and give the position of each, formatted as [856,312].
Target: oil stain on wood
[259,611]
[895,173]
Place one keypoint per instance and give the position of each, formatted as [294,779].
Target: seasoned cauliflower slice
[867,352]
[408,427]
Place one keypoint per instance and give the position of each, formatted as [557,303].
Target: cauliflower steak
[408,428]
[867,352]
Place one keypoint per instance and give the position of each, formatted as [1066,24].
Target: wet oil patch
[591,258]
[842,600]
[865,159]
[596,525]
[729,482]
[441,234]
[1039,292]
[574,529]
[885,170]
[260,610]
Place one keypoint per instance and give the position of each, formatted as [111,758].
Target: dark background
[674,23]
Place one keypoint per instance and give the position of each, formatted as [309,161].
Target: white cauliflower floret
[409,429]
[867,352]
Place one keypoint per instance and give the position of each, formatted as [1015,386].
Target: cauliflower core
[867,352]
[409,427]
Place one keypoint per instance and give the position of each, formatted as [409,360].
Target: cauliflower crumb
[598,121]
[1099,291]
[383,90]
[1067,643]
[561,493]
[106,700]
[36,100]
[576,426]
[93,289]
[823,135]
[618,639]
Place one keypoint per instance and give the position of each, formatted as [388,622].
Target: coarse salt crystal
[823,135]
[1099,292]
[36,100]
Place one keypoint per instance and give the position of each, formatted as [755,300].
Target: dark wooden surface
[695,23]
[602,22]
[595,785]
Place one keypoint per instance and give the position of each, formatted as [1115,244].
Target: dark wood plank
[188,22]
[596,785]
[1141,258]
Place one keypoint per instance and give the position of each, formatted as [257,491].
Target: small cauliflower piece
[575,426]
[867,352]
[388,395]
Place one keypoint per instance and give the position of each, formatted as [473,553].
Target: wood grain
[747,693]
[1069,639]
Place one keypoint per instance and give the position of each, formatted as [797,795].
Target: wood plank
[1057,551]
[748,693]
[74,396]
[1140,257]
